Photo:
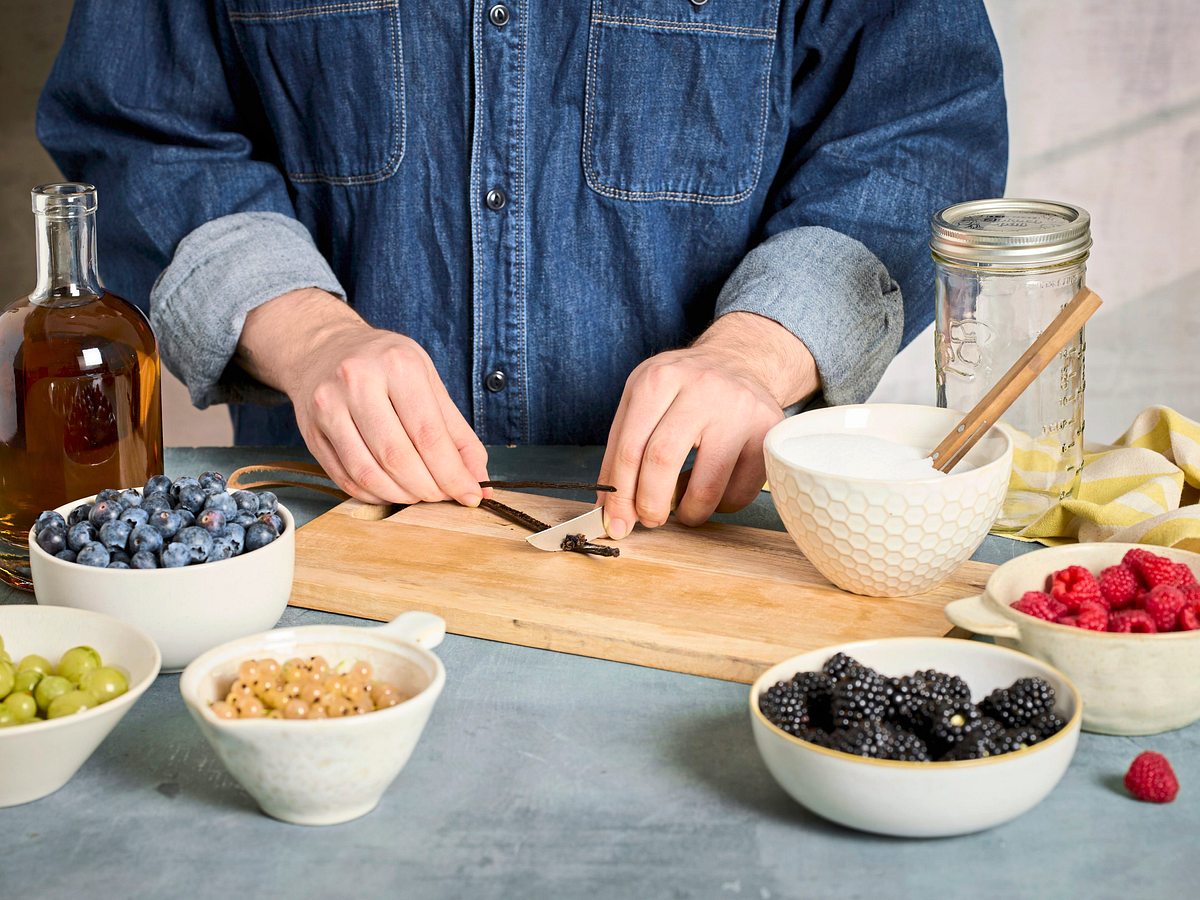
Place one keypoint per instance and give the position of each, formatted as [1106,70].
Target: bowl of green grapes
[67,677]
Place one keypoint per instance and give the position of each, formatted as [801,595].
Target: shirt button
[495,382]
[498,15]
[495,199]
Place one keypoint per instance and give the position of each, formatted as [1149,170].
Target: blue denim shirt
[542,196]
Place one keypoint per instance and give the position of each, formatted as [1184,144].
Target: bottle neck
[66,258]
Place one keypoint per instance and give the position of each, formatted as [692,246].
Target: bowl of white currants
[316,722]
[67,677]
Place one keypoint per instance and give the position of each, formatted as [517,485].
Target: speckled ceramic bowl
[322,771]
[887,538]
[1131,683]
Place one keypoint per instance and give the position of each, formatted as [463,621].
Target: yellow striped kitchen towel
[1143,489]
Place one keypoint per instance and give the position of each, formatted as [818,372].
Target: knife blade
[590,525]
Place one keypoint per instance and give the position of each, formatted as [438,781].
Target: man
[431,224]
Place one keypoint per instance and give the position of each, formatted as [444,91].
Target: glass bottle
[1004,270]
[80,408]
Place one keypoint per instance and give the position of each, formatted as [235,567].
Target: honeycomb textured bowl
[887,538]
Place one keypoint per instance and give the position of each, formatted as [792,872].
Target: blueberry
[237,536]
[259,535]
[65,555]
[117,564]
[94,554]
[155,502]
[192,498]
[143,559]
[174,556]
[104,511]
[212,521]
[52,539]
[167,522]
[48,517]
[186,516]
[145,538]
[197,541]
[274,520]
[114,535]
[244,519]
[79,514]
[212,482]
[108,494]
[222,548]
[224,502]
[247,501]
[79,534]
[118,556]
[130,498]
[135,516]
[158,484]
[180,483]
[267,501]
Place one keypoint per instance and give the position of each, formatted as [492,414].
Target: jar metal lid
[1011,232]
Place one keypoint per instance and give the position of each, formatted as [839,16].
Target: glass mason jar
[1004,268]
[80,407]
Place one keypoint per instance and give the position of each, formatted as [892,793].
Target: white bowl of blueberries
[188,561]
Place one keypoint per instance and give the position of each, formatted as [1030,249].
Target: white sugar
[859,456]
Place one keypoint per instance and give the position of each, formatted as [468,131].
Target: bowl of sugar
[859,496]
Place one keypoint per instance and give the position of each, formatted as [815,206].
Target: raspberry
[1191,593]
[1135,555]
[1151,778]
[1092,616]
[1154,570]
[1040,605]
[1189,619]
[1184,574]
[1131,621]
[1072,621]
[1163,603]
[1119,586]
[1073,586]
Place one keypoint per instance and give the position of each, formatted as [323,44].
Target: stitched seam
[477,413]
[670,25]
[310,12]
[519,223]
[592,177]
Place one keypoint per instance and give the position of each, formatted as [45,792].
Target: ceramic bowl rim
[1002,460]
[1024,620]
[216,655]
[128,698]
[275,546]
[1073,724]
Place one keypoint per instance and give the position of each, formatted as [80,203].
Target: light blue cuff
[220,272]
[833,294]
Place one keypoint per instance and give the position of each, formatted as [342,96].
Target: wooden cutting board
[724,601]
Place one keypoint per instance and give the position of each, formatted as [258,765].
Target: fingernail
[616,528]
[471,500]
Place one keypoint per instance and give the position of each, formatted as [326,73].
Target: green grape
[6,717]
[76,661]
[1,642]
[27,680]
[70,703]
[7,678]
[35,663]
[22,705]
[106,683]
[49,688]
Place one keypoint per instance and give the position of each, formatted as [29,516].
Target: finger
[341,432]
[666,452]
[470,448]
[422,418]
[715,461]
[747,479]
[324,453]
[381,431]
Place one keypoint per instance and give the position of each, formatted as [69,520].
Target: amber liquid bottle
[80,408]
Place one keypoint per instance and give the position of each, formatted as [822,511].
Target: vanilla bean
[578,543]
[550,485]
[512,514]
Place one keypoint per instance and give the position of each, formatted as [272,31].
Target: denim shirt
[542,193]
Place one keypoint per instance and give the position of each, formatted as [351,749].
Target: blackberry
[838,664]
[1017,739]
[1047,724]
[860,695]
[944,687]
[783,705]
[948,723]
[908,747]
[871,739]
[1019,704]
[817,688]
[909,693]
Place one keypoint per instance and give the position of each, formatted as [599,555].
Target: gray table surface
[548,775]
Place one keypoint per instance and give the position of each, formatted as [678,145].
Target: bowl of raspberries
[190,562]
[916,737]
[1122,620]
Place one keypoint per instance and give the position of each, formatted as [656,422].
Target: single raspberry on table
[1131,621]
[1189,619]
[1092,616]
[1153,570]
[1151,778]
[1074,586]
[1119,586]
[1164,603]
[1040,605]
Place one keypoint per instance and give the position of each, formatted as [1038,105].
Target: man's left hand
[719,396]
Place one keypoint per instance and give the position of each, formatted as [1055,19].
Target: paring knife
[590,525]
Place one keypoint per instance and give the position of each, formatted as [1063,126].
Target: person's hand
[369,403]
[719,396]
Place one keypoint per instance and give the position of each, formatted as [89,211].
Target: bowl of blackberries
[916,737]
[188,561]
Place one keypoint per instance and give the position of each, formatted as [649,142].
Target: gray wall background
[1104,110]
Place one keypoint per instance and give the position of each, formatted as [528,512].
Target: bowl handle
[971,614]
[420,628]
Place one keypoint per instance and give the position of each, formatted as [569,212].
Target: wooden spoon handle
[1022,373]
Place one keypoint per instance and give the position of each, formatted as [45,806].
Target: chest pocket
[331,77]
[677,98]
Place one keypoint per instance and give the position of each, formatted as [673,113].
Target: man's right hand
[370,405]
